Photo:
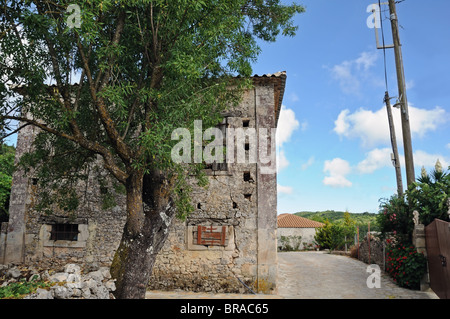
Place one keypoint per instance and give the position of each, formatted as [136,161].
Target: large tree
[109,81]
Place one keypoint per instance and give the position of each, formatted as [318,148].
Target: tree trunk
[150,211]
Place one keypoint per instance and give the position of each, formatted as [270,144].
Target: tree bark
[150,211]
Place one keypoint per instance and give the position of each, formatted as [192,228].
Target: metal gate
[438,250]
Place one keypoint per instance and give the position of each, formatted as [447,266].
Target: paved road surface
[315,275]
[318,275]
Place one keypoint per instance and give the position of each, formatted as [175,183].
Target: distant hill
[362,220]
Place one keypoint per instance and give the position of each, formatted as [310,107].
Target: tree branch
[108,158]
[123,150]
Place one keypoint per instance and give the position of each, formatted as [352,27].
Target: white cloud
[373,128]
[366,60]
[310,161]
[375,159]
[284,189]
[337,170]
[287,124]
[282,161]
[425,159]
[380,158]
[350,74]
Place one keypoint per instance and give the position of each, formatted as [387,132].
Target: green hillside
[362,220]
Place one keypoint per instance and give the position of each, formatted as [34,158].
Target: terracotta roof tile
[294,221]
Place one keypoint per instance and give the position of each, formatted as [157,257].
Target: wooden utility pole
[395,158]
[407,144]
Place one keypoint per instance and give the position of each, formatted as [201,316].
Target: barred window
[67,232]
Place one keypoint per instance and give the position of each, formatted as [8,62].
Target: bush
[334,236]
[395,218]
[430,195]
[17,290]
[290,243]
[405,265]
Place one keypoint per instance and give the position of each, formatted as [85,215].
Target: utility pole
[395,157]
[403,101]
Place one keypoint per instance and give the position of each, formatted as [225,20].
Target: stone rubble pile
[68,284]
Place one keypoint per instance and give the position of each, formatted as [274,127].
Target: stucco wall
[292,234]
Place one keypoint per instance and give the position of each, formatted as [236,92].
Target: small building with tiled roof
[295,232]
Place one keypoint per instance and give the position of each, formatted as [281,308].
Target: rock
[62,292]
[13,273]
[35,277]
[43,294]
[72,269]
[70,284]
[91,284]
[77,292]
[105,272]
[96,275]
[110,285]
[59,277]
[101,292]
[86,293]
[74,281]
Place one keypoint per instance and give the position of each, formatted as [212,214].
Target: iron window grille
[67,232]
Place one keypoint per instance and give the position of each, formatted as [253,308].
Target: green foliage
[17,290]
[290,243]
[145,67]
[335,235]
[329,236]
[7,154]
[429,196]
[395,219]
[361,219]
[405,265]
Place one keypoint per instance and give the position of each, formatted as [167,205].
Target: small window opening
[64,232]
[247,146]
[247,176]
[246,123]
[235,205]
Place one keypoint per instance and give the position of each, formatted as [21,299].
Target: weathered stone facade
[237,211]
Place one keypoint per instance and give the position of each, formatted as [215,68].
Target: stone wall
[240,202]
[374,255]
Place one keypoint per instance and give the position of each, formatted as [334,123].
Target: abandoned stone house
[228,241]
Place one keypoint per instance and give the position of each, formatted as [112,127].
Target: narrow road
[318,275]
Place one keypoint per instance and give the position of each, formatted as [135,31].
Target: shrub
[290,243]
[330,236]
[395,218]
[430,195]
[17,290]
[405,265]
[334,236]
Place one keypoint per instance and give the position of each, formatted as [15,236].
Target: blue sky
[334,147]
